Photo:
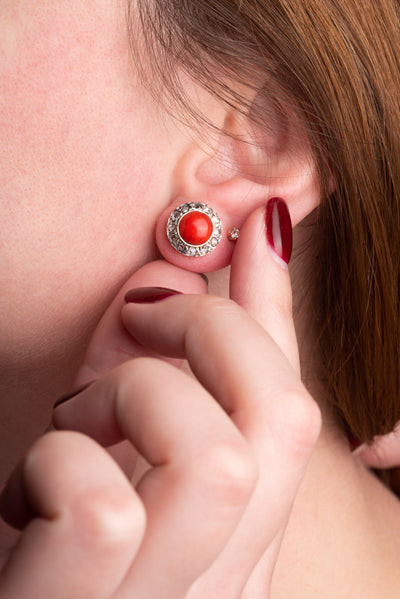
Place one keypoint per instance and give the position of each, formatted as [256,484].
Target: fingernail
[67,396]
[279,229]
[149,295]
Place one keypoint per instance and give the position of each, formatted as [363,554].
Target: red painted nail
[149,295]
[279,229]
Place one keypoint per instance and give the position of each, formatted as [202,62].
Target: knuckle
[230,472]
[105,519]
[300,423]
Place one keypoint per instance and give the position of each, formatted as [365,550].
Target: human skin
[86,165]
[88,162]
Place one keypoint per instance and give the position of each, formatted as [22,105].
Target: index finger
[260,280]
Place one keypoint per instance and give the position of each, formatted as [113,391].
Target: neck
[343,537]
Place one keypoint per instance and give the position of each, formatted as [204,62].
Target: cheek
[83,172]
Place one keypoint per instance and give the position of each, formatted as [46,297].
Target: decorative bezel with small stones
[179,244]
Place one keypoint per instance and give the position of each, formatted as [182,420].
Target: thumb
[111,344]
[260,280]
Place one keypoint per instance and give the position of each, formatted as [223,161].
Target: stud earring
[233,234]
[194,229]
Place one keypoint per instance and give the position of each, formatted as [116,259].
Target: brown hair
[335,63]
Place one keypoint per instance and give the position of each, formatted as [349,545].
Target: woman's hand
[384,454]
[227,448]
[83,524]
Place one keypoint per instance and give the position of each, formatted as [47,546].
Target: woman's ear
[245,168]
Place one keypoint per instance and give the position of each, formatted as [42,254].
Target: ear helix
[193,231]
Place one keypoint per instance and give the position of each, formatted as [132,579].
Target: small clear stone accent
[234,234]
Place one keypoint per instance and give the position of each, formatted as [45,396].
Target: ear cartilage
[233,234]
[194,229]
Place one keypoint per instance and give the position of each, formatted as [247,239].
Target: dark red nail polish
[279,229]
[149,295]
[71,394]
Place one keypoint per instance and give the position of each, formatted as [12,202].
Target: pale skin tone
[245,497]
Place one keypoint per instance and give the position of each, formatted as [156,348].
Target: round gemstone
[233,234]
[195,228]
